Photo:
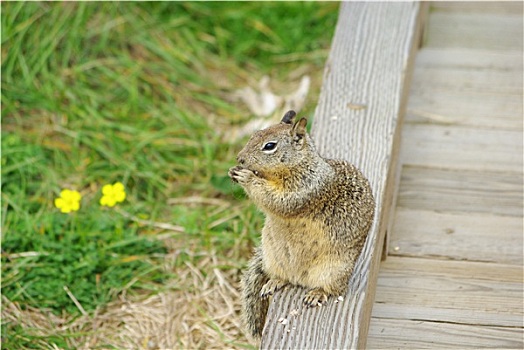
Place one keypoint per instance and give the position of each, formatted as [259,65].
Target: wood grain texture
[457,58]
[493,81]
[424,303]
[358,118]
[414,334]
[474,7]
[467,236]
[452,147]
[454,275]
[493,111]
[461,191]
[463,292]
[486,31]
[467,87]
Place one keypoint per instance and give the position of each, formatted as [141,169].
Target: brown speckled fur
[318,214]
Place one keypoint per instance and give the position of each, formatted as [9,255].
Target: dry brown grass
[196,312]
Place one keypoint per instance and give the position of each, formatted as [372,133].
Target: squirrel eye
[269,147]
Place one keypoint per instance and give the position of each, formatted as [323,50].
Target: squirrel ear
[299,130]
[288,117]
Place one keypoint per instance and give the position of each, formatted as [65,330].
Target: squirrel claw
[233,172]
[271,287]
[315,297]
[240,175]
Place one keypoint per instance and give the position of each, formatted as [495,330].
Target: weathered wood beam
[358,118]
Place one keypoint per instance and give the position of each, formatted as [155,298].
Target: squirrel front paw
[241,175]
[315,297]
[272,286]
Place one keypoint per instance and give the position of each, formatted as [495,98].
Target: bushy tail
[254,308]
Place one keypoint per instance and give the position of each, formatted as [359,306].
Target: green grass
[94,93]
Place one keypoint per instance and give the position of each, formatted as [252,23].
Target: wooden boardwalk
[454,273]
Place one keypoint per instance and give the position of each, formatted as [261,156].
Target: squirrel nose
[241,160]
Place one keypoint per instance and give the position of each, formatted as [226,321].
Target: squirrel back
[318,213]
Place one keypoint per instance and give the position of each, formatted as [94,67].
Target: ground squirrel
[318,214]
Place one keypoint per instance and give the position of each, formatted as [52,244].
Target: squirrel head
[279,151]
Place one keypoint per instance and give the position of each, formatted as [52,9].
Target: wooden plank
[415,334]
[468,315]
[467,59]
[358,118]
[486,31]
[473,237]
[454,202]
[461,191]
[450,291]
[465,108]
[467,87]
[489,7]
[485,81]
[460,296]
[453,147]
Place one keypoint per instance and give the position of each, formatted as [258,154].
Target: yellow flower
[112,194]
[68,201]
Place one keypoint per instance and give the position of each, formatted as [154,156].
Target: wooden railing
[358,118]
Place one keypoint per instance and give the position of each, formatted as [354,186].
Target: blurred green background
[96,92]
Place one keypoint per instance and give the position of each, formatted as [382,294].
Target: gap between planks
[460,292]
